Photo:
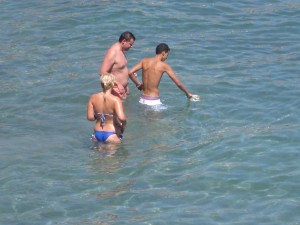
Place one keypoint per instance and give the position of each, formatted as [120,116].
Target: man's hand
[139,86]
[119,90]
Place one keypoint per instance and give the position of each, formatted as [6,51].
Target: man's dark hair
[127,36]
[162,47]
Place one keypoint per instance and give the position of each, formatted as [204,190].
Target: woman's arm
[120,114]
[90,114]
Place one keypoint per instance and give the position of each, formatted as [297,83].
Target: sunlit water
[232,158]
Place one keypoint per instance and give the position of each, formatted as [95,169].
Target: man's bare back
[152,71]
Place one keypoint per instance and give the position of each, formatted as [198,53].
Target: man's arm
[132,74]
[108,62]
[176,80]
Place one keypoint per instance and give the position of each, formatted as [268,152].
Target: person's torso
[152,74]
[104,112]
[119,68]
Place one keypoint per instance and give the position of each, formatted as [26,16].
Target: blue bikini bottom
[102,136]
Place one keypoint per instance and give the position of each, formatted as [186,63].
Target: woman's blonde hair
[107,81]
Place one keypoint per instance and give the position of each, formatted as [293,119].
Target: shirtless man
[152,71]
[115,62]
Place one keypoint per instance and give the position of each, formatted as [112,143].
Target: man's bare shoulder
[151,61]
[145,60]
[165,66]
[114,49]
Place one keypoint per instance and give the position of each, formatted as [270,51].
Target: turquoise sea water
[232,158]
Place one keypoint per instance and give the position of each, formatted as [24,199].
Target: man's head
[163,49]
[127,39]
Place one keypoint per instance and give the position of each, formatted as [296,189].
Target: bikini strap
[102,117]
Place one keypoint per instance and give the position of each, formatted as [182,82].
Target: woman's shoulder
[96,95]
[115,98]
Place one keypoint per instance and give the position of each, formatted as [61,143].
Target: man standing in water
[152,71]
[115,62]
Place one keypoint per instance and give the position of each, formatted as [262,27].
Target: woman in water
[108,112]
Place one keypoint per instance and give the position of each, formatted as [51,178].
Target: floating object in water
[195,98]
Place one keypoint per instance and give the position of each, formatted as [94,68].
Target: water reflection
[107,158]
